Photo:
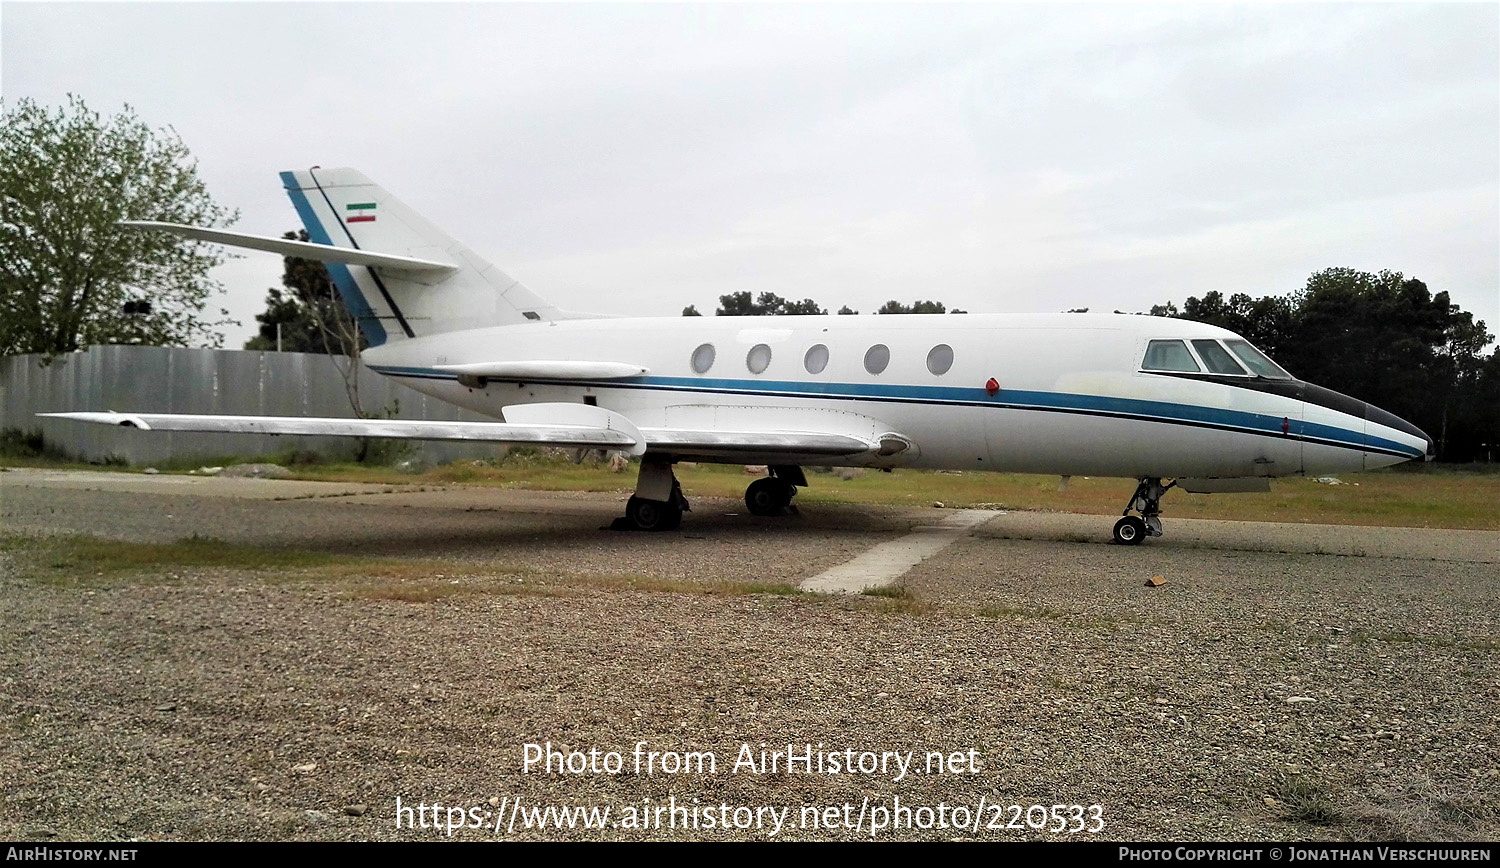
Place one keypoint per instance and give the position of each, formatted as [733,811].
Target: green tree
[1484,411]
[70,276]
[805,307]
[770,304]
[894,306]
[311,318]
[767,304]
[306,315]
[1265,322]
[1383,338]
[1377,336]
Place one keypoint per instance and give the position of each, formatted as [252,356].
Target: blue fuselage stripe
[1011,399]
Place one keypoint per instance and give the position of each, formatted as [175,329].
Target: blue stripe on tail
[343,281]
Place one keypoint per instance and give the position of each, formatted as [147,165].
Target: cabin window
[1169,356]
[758,359]
[877,357]
[1217,359]
[1256,361]
[816,359]
[703,358]
[940,359]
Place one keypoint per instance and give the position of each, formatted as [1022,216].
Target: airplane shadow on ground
[445,532]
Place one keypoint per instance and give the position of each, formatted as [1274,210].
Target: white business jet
[1164,401]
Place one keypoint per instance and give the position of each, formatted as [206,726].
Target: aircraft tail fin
[343,208]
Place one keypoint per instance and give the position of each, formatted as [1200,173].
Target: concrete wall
[180,380]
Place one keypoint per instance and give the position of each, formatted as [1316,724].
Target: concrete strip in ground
[887,562]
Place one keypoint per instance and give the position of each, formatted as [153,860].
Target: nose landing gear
[1132,530]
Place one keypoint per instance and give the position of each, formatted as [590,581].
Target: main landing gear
[657,504]
[643,514]
[1132,530]
[773,494]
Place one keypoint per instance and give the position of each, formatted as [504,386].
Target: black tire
[653,514]
[1130,531]
[769,496]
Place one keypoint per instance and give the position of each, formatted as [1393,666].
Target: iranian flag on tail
[359,212]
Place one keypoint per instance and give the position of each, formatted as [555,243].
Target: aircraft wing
[770,435]
[762,436]
[767,447]
[566,426]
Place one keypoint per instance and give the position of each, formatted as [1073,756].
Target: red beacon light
[991,387]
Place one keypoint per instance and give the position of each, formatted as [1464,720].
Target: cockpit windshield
[1218,359]
[1240,359]
[1257,361]
[1169,356]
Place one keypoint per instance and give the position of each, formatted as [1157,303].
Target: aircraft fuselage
[1062,394]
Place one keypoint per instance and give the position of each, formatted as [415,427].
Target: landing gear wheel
[769,496]
[653,514]
[1130,530]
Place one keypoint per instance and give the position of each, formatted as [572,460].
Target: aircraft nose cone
[1389,438]
[1377,416]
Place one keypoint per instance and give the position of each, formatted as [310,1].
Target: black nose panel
[1315,394]
[1391,420]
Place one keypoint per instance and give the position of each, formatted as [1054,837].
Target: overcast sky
[633,159]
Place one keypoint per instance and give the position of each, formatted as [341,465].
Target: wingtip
[110,417]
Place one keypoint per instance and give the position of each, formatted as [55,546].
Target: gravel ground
[1286,681]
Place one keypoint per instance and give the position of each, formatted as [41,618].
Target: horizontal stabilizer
[303,249]
[592,436]
[547,370]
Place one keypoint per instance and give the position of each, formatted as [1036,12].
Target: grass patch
[1099,621]
[1419,810]
[611,582]
[430,592]
[22,448]
[1003,611]
[520,467]
[777,590]
[422,590]
[1307,801]
[80,559]
[75,557]
[896,600]
[1395,637]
